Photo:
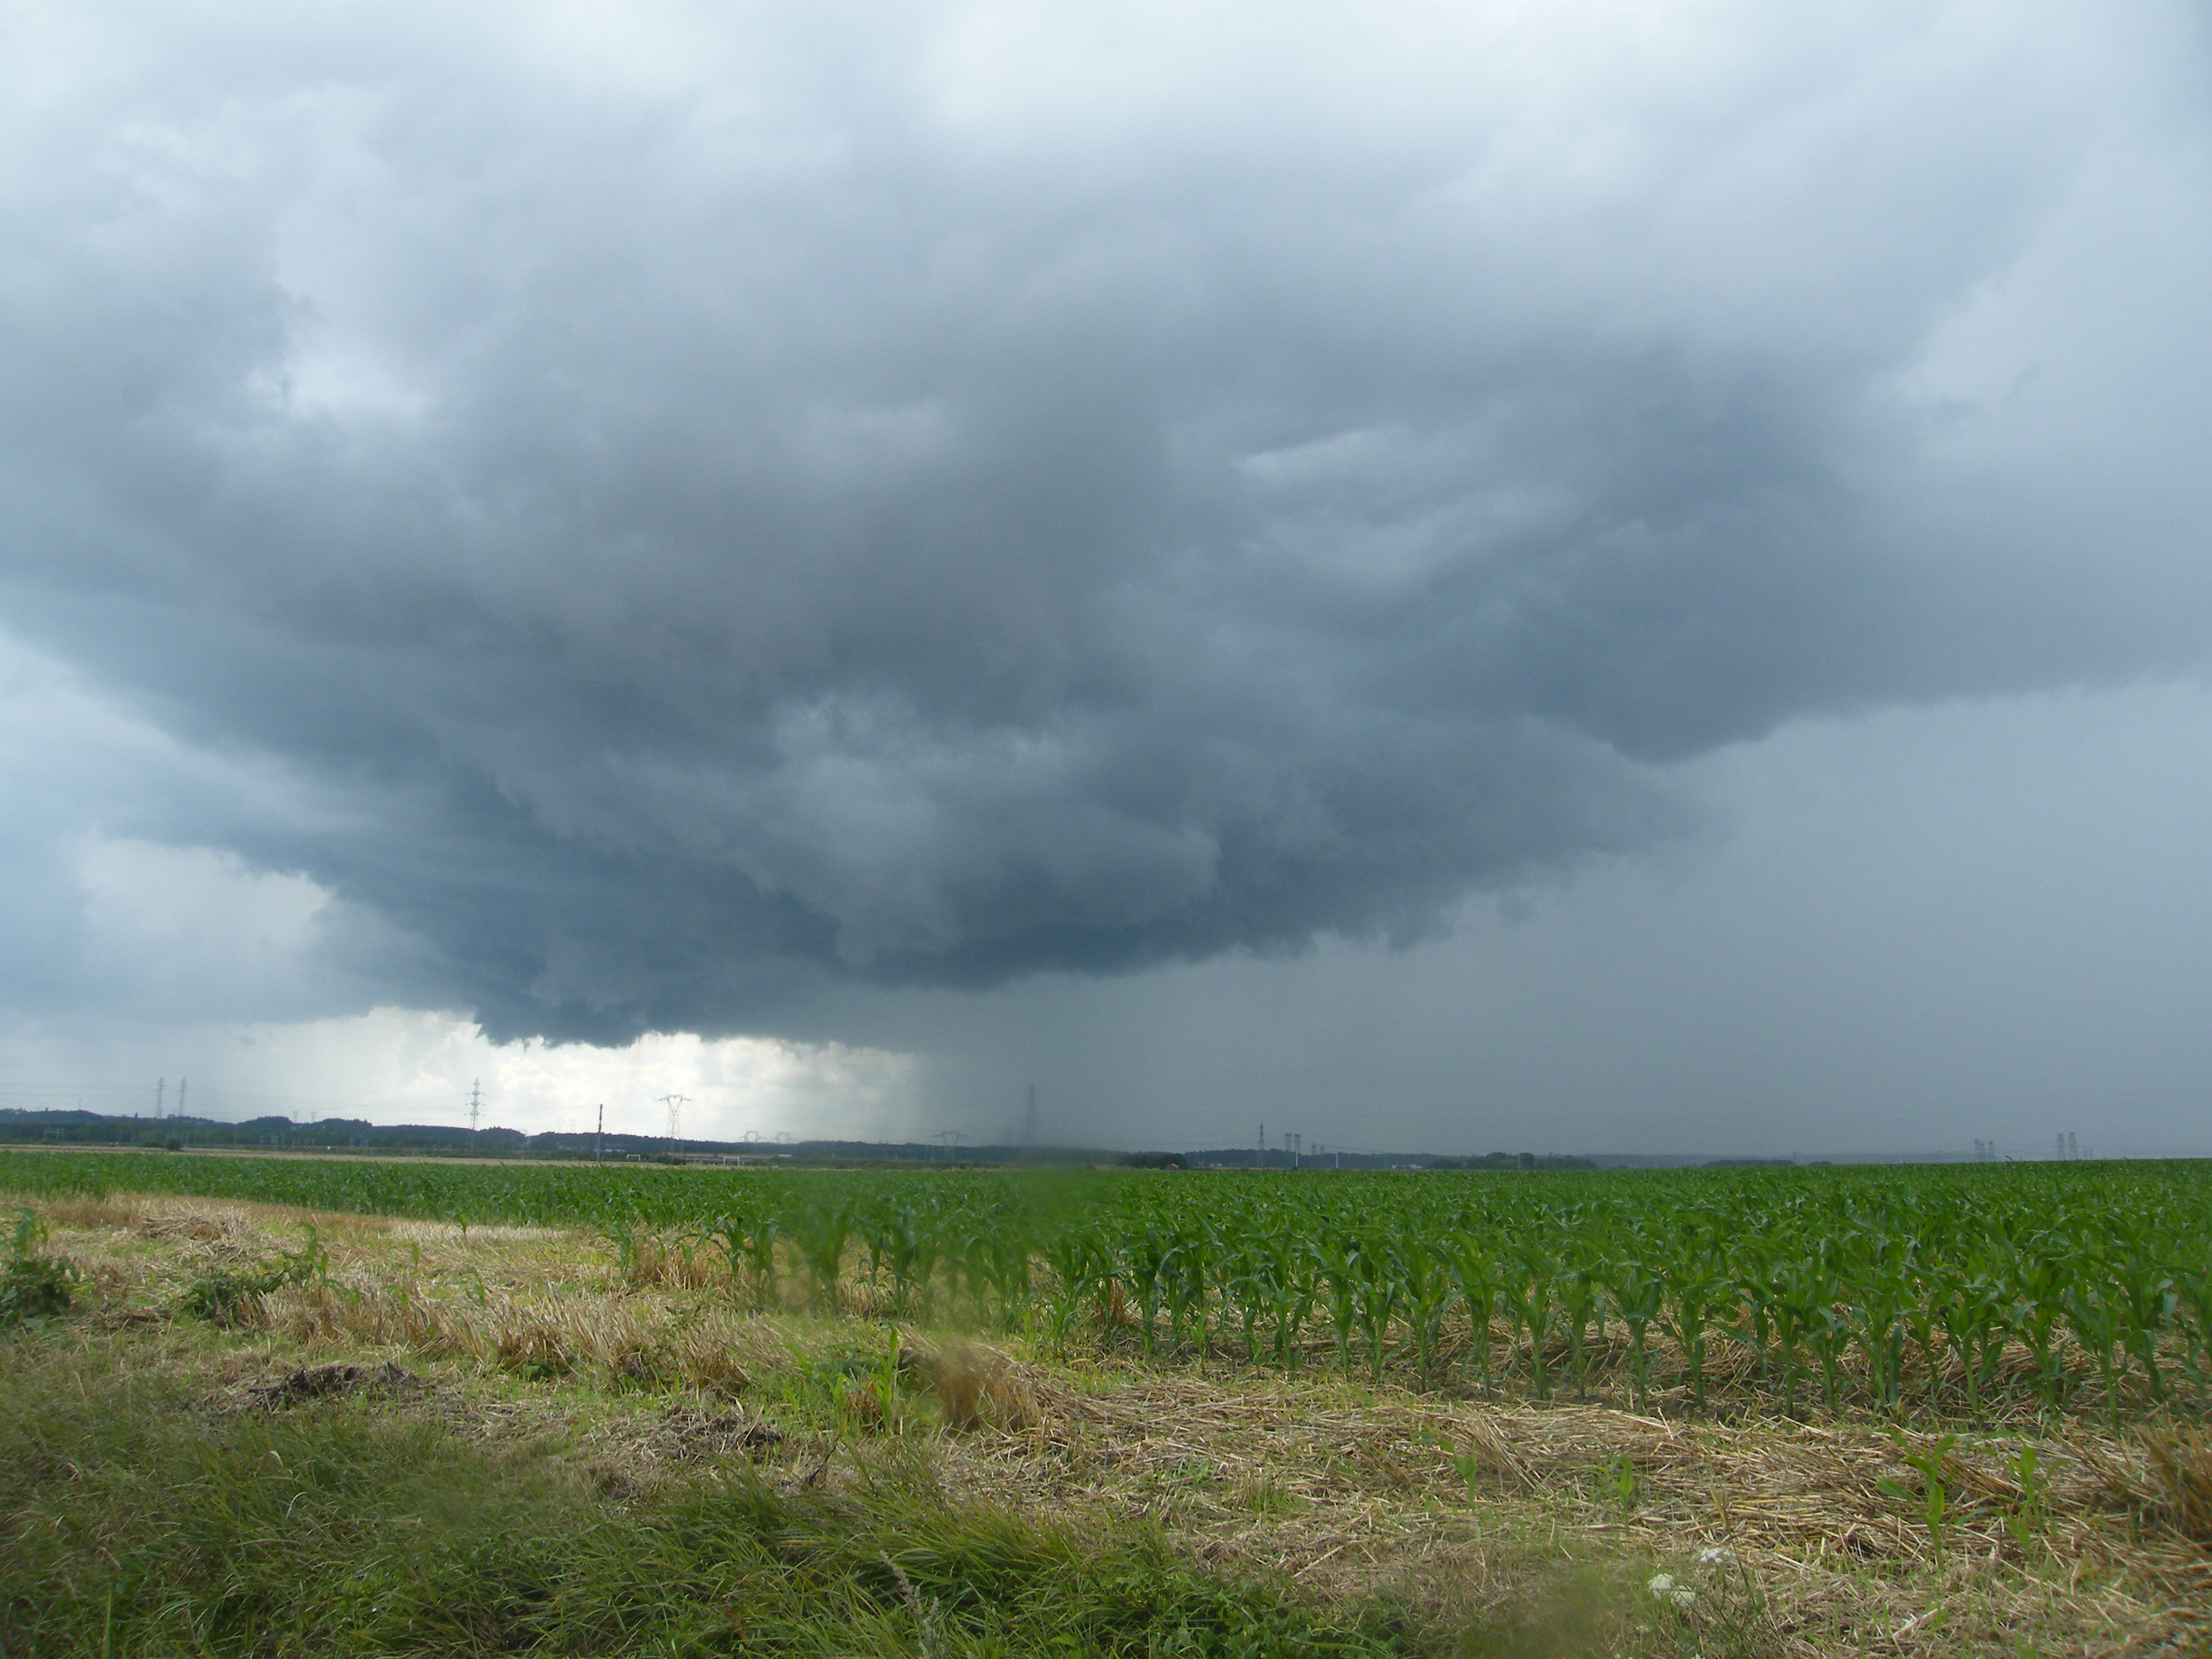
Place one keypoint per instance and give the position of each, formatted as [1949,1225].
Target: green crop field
[1957,1291]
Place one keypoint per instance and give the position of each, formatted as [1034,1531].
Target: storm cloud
[659,510]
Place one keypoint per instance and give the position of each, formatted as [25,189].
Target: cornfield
[1962,1290]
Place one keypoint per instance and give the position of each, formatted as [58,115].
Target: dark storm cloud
[688,506]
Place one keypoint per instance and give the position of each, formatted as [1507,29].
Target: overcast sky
[1576,577]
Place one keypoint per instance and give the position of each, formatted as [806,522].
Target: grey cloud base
[694,516]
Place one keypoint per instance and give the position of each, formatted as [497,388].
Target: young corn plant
[1581,1305]
[1698,1284]
[2192,1286]
[1183,1275]
[1926,1461]
[1291,1267]
[1379,1275]
[748,1237]
[2040,1278]
[1876,1293]
[1926,1291]
[908,1245]
[1972,1308]
[1790,1319]
[1341,1266]
[2098,1321]
[1474,1279]
[2149,1301]
[1621,1482]
[1430,1295]
[1145,1263]
[1752,1322]
[1637,1293]
[1815,1295]
[1080,1270]
[1530,1279]
[1465,1461]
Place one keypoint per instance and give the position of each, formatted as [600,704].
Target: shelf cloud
[660,512]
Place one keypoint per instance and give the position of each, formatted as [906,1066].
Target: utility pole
[676,1103]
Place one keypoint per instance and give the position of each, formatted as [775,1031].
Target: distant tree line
[84,1128]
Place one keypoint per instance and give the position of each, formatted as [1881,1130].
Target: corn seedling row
[1960,1291]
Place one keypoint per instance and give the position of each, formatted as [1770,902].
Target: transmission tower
[475,1105]
[676,1103]
[160,1088]
[183,1083]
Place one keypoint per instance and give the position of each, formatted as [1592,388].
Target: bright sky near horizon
[1586,577]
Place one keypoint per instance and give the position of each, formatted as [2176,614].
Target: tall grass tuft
[33,1285]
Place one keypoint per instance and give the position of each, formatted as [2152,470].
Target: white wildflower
[1714,1556]
[1683,1598]
[1660,1584]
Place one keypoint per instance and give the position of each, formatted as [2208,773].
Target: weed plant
[222,1293]
[33,1285]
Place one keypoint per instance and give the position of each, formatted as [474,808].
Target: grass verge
[141,1521]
